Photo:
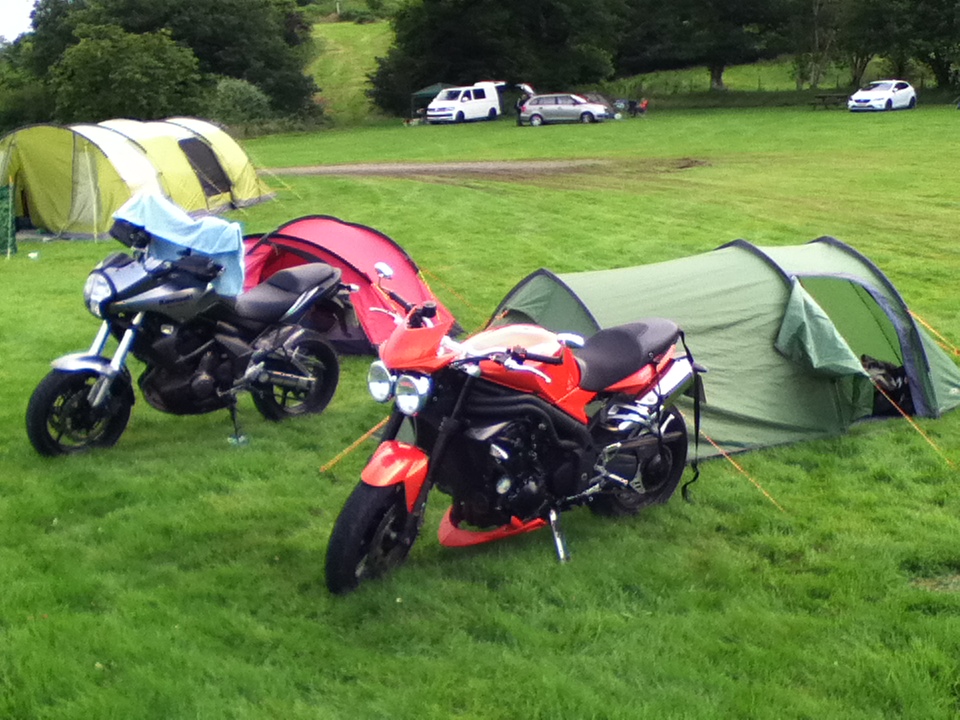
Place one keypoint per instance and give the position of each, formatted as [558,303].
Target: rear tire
[536,120]
[913,103]
[366,541]
[492,115]
[60,420]
[310,355]
[661,475]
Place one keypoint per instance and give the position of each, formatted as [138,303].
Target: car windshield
[450,95]
[879,86]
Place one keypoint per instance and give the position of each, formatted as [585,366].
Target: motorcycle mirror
[571,339]
[383,270]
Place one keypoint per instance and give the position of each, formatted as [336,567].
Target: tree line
[235,60]
[88,60]
[559,44]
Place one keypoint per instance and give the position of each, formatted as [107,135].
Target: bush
[235,101]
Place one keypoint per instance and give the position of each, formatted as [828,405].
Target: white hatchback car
[884,95]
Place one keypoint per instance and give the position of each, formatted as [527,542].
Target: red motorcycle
[517,424]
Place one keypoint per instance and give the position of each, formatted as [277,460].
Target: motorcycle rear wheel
[276,402]
[367,538]
[660,478]
[60,420]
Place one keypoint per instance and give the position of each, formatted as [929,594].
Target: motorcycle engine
[184,378]
[514,473]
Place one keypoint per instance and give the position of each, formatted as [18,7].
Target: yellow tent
[70,180]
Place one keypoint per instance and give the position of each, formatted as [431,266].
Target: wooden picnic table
[829,100]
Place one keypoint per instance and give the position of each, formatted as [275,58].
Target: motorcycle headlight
[380,382]
[95,292]
[412,393]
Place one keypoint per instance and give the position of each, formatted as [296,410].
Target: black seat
[615,353]
[268,301]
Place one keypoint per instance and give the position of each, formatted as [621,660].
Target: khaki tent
[70,180]
[790,335]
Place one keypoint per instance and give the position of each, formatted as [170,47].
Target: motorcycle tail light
[380,382]
[412,393]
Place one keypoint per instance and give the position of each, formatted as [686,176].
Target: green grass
[347,56]
[177,576]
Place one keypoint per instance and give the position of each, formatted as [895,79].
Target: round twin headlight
[380,382]
[412,393]
[96,290]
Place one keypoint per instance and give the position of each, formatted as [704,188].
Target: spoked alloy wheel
[367,539]
[61,421]
[536,121]
[660,475]
[586,118]
[314,361]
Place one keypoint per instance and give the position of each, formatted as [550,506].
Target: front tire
[587,118]
[60,420]
[367,538]
[660,475]
[310,356]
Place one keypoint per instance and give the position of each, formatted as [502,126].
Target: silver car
[561,107]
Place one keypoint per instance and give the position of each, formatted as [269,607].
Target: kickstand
[238,438]
[563,555]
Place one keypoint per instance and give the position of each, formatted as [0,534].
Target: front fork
[94,360]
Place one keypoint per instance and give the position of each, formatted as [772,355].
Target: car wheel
[458,118]
[536,120]
[492,115]
[913,103]
[586,118]
[889,105]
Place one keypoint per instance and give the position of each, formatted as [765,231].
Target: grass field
[178,576]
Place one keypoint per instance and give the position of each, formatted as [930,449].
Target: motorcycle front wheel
[660,474]
[311,358]
[61,421]
[367,538]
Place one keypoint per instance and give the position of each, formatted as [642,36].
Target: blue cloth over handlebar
[172,231]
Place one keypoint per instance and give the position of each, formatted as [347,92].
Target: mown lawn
[178,576]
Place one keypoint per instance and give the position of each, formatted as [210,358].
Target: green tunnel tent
[783,332]
[70,180]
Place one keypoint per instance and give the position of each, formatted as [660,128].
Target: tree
[112,73]
[265,42]
[547,43]
[716,33]
[936,31]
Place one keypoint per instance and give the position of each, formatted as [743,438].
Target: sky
[14,17]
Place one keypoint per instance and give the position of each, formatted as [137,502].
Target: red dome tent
[355,249]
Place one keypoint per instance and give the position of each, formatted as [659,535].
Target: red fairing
[397,462]
[416,348]
[450,535]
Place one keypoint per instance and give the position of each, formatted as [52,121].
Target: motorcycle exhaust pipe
[286,380]
[676,381]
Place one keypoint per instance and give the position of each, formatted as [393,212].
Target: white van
[480,101]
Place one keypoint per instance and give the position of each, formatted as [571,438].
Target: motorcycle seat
[612,354]
[268,301]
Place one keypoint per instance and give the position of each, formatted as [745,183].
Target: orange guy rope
[354,445]
[743,472]
[944,343]
[914,425]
